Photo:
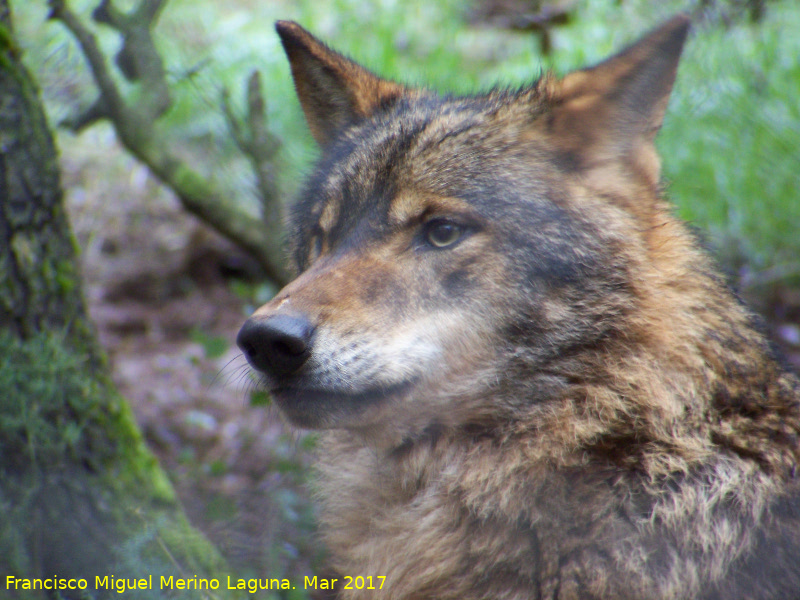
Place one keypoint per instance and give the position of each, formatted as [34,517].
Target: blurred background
[168,293]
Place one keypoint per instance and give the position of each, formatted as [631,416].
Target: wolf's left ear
[333,90]
[615,109]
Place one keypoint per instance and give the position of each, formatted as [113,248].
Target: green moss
[140,467]
[6,39]
[69,446]
[6,42]
[49,407]
[6,46]
[65,276]
[23,248]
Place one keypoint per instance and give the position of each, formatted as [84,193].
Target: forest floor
[158,292]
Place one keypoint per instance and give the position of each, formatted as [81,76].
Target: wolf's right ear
[614,110]
[333,90]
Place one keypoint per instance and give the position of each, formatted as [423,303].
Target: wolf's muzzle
[277,345]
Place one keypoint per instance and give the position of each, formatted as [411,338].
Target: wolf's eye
[441,234]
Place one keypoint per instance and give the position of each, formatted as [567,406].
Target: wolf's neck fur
[698,375]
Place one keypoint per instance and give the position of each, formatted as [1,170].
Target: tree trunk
[80,495]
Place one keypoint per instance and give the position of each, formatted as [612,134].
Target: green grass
[732,140]
[730,143]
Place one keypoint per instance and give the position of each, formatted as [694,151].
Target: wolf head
[458,257]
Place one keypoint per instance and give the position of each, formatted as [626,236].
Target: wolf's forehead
[429,145]
[363,170]
[383,149]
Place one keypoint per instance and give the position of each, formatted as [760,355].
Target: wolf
[529,379]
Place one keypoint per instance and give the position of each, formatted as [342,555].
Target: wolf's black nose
[278,345]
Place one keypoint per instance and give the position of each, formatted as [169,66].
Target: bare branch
[263,148]
[88,44]
[138,59]
[108,14]
[260,146]
[137,129]
[150,10]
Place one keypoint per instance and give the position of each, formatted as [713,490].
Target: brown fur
[565,401]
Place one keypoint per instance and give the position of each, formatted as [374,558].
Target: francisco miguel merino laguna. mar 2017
[148,582]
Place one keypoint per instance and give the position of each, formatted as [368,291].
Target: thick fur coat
[531,382]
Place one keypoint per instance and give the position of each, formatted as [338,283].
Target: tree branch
[136,127]
[102,78]
[257,143]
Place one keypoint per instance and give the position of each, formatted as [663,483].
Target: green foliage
[732,140]
[254,294]
[260,398]
[214,346]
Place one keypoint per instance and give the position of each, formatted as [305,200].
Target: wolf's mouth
[318,408]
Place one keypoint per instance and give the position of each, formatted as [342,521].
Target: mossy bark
[80,494]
